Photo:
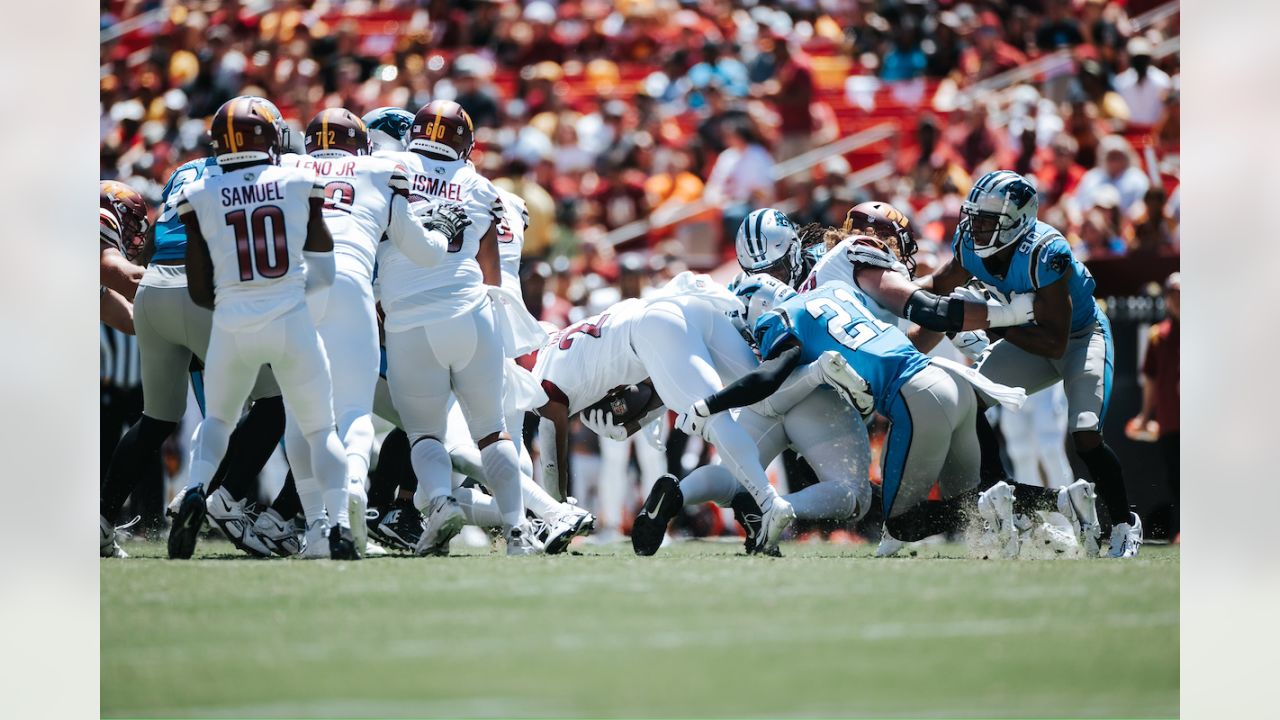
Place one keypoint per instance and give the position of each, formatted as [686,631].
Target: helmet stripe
[759,233]
[231,131]
[324,129]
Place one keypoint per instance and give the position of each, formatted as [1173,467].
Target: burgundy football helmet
[443,129]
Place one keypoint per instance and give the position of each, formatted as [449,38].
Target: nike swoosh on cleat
[653,515]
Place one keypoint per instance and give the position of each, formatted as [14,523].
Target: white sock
[431,465]
[328,459]
[358,441]
[209,445]
[311,494]
[467,462]
[740,455]
[709,483]
[537,500]
[480,509]
[502,477]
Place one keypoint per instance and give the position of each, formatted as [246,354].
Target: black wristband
[943,314]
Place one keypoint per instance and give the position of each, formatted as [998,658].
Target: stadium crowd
[602,114]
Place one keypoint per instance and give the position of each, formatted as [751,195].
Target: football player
[171,329]
[258,247]
[682,340]
[825,431]
[1001,243]
[441,331]
[365,198]
[122,227]
[931,408]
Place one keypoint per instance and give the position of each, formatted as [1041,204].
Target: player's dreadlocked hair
[816,233]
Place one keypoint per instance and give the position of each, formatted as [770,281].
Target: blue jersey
[832,318]
[171,235]
[1041,258]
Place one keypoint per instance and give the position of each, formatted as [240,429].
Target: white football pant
[459,356]
[293,348]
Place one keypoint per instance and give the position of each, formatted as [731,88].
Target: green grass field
[698,630]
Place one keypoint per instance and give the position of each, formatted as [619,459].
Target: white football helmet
[767,243]
[1000,210]
[760,294]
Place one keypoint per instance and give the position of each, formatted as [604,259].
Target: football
[627,403]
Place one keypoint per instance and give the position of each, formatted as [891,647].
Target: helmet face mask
[131,211]
[767,243]
[1000,209]
[885,223]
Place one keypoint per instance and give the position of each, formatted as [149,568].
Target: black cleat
[664,503]
[341,544]
[186,524]
[398,526]
[747,512]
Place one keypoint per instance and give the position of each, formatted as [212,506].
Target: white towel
[520,332]
[991,391]
[523,392]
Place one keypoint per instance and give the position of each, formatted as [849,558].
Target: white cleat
[520,541]
[1078,503]
[775,520]
[275,533]
[108,538]
[372,549]
[229,515]
[357,509]
[889,545]
[443,519]
[996,508]
[1126,538]
[847,383]
[315,543]
[555,533]
[584,523]
[1053,532]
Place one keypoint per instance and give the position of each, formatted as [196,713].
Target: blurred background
[640,133]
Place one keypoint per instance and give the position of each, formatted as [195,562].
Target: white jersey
[513,220]
[413,295]
[254,221]
[357,204]
[838,265]
[588,359]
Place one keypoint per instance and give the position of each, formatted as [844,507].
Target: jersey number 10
[252,241]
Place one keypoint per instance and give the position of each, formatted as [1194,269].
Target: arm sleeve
[321,270]
[425,247]
[757,384]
